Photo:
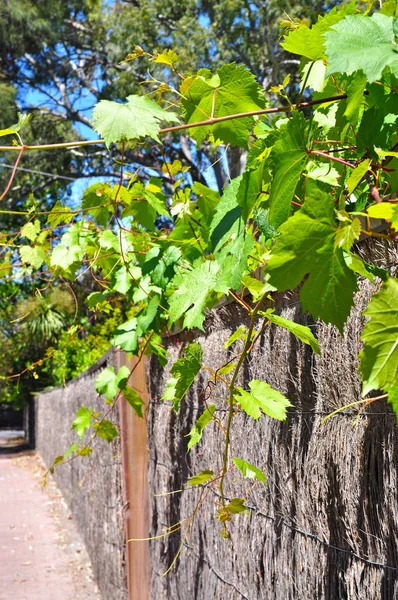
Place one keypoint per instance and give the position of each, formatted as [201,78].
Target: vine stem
[14,170]
[211,121]
[231,412]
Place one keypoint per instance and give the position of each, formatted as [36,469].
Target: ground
[42,554]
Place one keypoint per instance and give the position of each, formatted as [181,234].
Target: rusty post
[133,434]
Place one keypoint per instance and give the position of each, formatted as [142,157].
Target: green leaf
[362,43]
[379,357]
[310,42]
[86,451]
[302,332]
[250,189]
[385,210]
[16,128]
[191,296]
[106,430]
[227,223]
[323,172]
[307,246]
[197,430]
[169,57]
[348,232]
[238,334]
[237,506]
[289,155]
[232,90]
[262,398]
[73,448]
[139,118]
[250,471]
[355,97]
[31,230]
[109,383]
[98,203]
[207,200]
[82,421]
[32,255]
[256,287]
[358,173]
[60,215]
[134,399]
[201,478]
[184,372]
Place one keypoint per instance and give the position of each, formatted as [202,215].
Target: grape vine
[318,173]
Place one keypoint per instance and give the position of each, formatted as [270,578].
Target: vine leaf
[262,398]
[106,430]
[309,42]
[197,430]
[379,357]
[290,156]
[358,173]
[385,210]
[250,471]
[307,246]
[231,91]
[201,478]
[33,255]
[192,293]
[60,215]
[109,383]
[184,372]
[82,421]
[302,332]
[134,399]
[139,118]
[362,43]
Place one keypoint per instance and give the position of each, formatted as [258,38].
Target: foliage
[173,249]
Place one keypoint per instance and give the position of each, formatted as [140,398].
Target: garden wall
[326,525]
[92,486]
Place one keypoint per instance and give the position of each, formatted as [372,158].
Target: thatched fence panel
[326,525]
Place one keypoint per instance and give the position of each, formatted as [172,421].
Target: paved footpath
[41,554]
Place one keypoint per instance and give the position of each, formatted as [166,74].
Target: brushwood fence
[326,525]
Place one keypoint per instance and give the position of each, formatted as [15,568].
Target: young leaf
[262,398]
[139,118]
[201,478]
[362,43]
[250,471]
[109,383]
[307,246]
[379,357]
[106,430]
[197,430]
[82,421]
[184,372]
[237,506]
[238,334]
[134,399]
[302,332]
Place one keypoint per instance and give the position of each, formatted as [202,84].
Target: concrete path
[41,554]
